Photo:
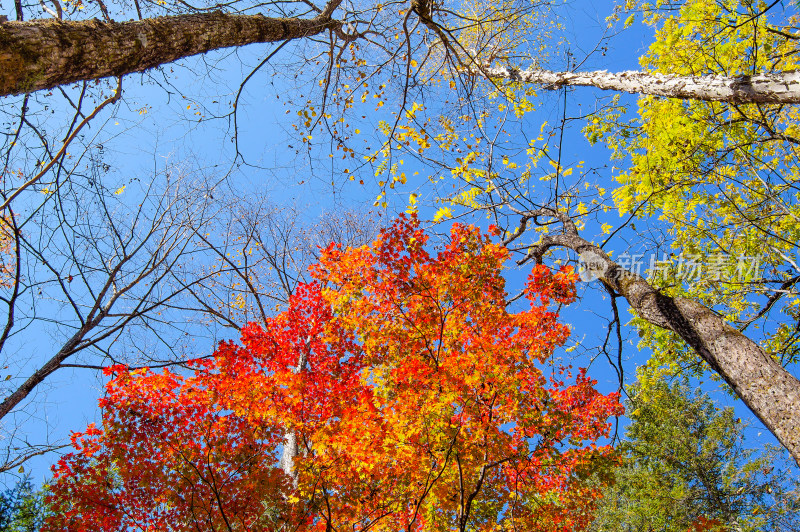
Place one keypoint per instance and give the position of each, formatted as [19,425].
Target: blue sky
[167,118]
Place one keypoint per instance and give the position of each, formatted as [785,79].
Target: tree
[778,88]
[114,272]
[686,464]
[719,176]
[22,508]
[89,272]
[416,399]
[724,178]
[765,386]
[40,55]
[145,286]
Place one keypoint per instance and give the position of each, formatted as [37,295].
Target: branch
[116,96]
[777,88]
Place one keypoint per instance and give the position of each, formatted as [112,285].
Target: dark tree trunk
[43,54]
[771,392]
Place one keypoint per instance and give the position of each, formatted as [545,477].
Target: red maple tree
[415,399]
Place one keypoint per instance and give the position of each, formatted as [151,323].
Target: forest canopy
[171,170]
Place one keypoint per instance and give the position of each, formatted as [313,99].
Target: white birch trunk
[289,452]
[290,444]
[776,88]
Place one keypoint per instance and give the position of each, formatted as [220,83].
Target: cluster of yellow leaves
[7,260]
[479,33]
[722,179]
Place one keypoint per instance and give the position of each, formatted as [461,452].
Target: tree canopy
[673,197]
[418,401]
[686,465]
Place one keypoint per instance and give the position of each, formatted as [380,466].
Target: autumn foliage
[418,401]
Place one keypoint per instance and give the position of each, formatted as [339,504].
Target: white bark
[290,446]
[776,88]
[289,453]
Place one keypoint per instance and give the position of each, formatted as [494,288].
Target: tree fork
[43,54]
[771,392]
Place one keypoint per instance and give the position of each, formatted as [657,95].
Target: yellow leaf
[630,20]
[443,213]
[120,190]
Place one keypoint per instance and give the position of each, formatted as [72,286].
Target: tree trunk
[49,367]
[783,87]
[291,447]
[771,392]
[43,54]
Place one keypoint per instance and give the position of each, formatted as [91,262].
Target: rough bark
[771,392]
[43,54]
[68,349]
[783,87]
